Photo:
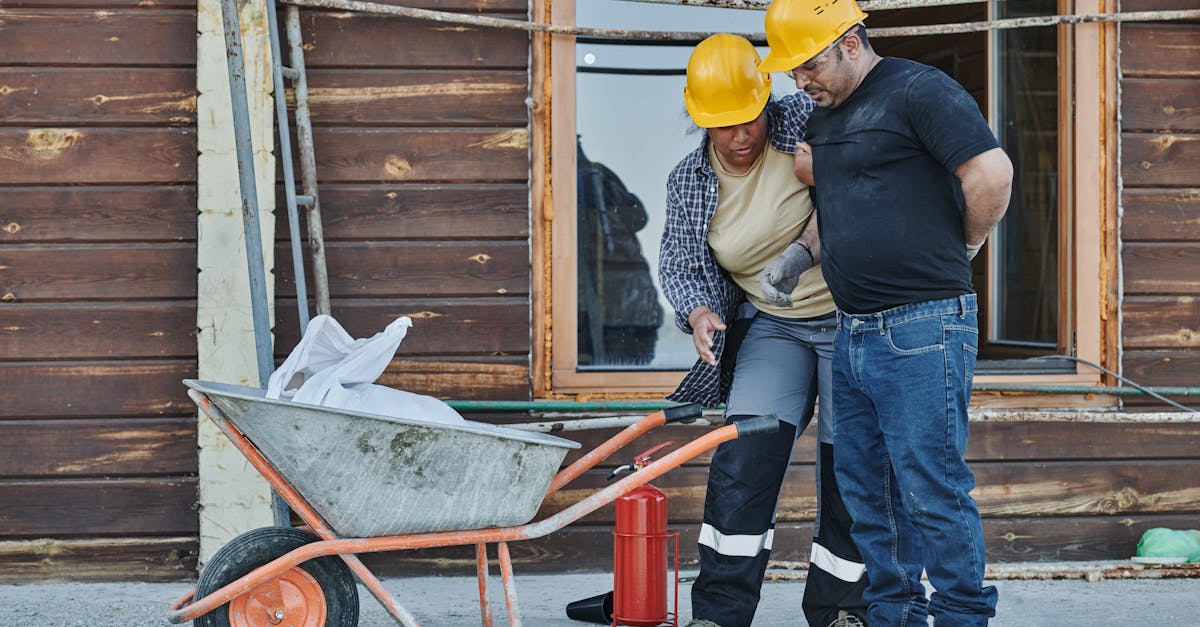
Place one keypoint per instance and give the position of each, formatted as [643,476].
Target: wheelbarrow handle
[759,425]
[691,411]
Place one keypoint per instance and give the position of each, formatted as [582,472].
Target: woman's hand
[705,323]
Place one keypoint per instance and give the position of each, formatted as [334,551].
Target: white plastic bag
[331,369]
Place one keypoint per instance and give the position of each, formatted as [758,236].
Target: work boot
[846,619]
[700,622]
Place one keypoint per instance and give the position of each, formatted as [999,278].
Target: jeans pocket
[916,336]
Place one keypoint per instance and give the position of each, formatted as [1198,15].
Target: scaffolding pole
[251,227]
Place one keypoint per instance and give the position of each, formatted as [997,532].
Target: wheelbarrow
[364,483]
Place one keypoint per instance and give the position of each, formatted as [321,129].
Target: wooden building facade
[446,159]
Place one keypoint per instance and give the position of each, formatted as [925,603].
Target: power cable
[1130,382]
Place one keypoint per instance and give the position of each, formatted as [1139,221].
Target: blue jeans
[901,384]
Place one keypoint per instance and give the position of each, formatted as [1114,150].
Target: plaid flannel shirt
[687,269]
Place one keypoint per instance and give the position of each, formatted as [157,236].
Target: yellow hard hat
[798,30]
[724,86]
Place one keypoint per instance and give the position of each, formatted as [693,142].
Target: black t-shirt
[889,205]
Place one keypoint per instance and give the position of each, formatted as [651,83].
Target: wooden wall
[1160,201]
[422,150]
[97,289]
[422,142]
[422,147]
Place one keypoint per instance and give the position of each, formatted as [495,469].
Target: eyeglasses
[812,64]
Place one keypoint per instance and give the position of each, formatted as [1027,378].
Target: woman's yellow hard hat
[724,86]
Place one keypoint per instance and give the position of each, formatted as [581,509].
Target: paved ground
[451,601]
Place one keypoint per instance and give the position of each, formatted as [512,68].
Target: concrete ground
[452,601]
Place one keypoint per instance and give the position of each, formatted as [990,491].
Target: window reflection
[619,311]
[632,128]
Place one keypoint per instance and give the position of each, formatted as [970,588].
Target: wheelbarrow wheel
[318,593]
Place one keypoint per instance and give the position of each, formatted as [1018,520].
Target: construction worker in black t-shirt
[909,181]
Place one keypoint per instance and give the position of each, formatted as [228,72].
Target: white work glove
[782,273]
[973,249]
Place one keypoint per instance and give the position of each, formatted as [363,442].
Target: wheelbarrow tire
[260,546]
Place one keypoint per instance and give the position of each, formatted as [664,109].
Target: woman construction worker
[740,264]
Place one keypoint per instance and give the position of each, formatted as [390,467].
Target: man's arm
[809,238]
[986,184]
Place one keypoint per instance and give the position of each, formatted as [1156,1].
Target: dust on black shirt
[889,205]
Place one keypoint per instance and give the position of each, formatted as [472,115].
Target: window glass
[631,129]
[1026,244]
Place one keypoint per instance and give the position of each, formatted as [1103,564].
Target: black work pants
[745,477]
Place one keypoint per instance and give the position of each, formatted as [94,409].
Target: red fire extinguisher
[640,554]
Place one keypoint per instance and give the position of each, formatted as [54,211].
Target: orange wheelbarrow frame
[188,608]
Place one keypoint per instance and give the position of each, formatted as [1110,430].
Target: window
[630,128]
[1025,245]
[619,125]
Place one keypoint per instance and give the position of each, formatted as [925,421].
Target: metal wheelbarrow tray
[370,475]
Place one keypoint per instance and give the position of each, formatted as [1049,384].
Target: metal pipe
[285,155]
[689,37]
[600,422]
[648,404]
[1083,389]
[251,227]
[245,165]
[865,5]
[567,405]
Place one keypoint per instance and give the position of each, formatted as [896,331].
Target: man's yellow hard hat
[724,86]
[798,30]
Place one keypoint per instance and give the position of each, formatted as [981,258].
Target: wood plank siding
[422,151]
[97,290]
[1160,200]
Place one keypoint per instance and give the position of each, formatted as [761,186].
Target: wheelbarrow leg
[510,586]
[481,570]
[372,583]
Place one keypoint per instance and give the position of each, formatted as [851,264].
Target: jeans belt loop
[962,306]
[879,318]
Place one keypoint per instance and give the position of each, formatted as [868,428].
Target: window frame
[563,374]
[1087,146]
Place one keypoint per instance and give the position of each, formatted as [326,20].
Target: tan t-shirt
[758,214]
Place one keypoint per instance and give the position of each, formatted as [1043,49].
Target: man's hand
[802,164]
[705,323]
[782,273]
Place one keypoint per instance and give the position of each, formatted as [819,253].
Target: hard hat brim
[780,63]
[727,118]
